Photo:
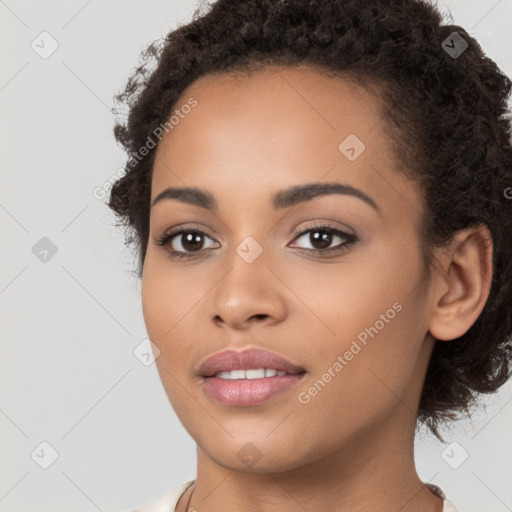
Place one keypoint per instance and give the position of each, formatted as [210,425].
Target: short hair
[444,103]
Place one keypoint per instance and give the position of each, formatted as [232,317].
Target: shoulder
[448,505]
[165,503]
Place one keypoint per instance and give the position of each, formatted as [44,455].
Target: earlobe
[462,283]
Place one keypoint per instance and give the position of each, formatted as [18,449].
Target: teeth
[259,373]
[253,374]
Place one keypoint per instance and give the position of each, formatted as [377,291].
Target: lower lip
[245,392]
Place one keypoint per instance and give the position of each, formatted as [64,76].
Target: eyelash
[350,241]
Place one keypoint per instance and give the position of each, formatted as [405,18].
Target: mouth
[249,377]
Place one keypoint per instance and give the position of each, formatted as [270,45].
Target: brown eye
[189,241]
[184,243]
[321,238]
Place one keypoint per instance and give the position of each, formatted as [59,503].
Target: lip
[248,392]
[245,360]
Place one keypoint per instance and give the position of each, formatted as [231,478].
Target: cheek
[170,301]
[163,304]
[346,297]
[165,299]
[368,312]
[154,301]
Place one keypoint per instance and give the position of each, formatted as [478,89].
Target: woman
[317,194]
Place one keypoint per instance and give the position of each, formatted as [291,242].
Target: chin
[272,463]
[254,454]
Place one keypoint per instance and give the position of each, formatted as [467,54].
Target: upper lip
[245,360]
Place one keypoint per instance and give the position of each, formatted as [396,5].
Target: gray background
[70,325]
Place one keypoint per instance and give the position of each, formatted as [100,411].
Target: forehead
[274,128]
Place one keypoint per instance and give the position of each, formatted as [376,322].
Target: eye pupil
[324,239]
[192,241]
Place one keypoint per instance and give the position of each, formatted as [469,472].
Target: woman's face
[353,317]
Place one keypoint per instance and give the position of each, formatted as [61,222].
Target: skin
[351,448]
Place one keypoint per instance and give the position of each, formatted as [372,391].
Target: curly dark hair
[447,121]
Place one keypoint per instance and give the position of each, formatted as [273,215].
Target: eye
[321,237]
[184,242]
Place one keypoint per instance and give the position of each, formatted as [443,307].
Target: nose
[248,295]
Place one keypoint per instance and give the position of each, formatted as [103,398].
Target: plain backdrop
[74,396]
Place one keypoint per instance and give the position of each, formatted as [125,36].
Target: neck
[373,471]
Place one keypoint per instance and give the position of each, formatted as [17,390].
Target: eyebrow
[282,199]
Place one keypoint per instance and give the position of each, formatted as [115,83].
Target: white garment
[168,502]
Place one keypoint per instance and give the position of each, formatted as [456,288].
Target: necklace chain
[189,498]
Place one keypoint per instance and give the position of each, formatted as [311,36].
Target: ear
[462,283]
